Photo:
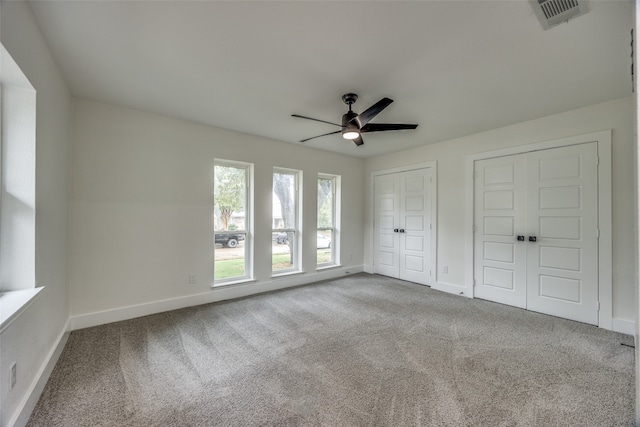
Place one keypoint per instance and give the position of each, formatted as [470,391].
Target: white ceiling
[454,67]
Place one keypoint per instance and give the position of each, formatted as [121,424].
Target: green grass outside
[227,268]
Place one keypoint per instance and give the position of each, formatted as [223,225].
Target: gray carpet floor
[362,350]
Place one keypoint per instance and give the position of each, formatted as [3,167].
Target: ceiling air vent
[555,12]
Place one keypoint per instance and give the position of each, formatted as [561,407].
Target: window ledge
[13,303]
[232,282]
[287,274]
[328,267]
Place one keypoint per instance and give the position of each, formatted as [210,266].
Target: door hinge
[597,233]
[597,160]
[474,282]
[598,309]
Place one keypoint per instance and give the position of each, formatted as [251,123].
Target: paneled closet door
[500,205]
[562,267]
[536,231]
[387,215]
[402,225]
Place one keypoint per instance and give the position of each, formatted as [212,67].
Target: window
[285,253]
[18,177]
[18,190]
[326,238]
[232,221]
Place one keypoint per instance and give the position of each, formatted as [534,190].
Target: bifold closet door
[536,231]
[402,225]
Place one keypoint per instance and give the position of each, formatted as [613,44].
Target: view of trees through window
[285,221]
[230,221]
[326,220]
[231,218]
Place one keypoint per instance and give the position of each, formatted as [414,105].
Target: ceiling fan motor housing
[348,125]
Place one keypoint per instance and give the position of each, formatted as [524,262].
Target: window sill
[13,303]
[327,267]
[232,282]
[287,274]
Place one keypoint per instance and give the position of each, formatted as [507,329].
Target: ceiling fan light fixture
[350,134]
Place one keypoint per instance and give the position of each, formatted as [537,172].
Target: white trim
[605,263]
[286,273]
[13,303]
[624,326]
[433,166]
[248,218]
[451,288]
[217,294]
[28,403]
[232,282]
[322,267]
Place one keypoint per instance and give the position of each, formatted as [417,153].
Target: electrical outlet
[13,375]
[193,279]
[445,269]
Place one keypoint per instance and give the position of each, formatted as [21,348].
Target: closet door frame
[605,262]
[432,166]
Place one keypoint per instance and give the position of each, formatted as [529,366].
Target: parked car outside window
[229,240]
[321,241]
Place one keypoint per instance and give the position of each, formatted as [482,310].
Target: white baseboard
[30,400]
[451,288]
[624,326]
[216,294]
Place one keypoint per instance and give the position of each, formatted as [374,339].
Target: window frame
[335,217]
[248,223]
[296,230]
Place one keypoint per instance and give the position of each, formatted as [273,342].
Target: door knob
[395,230]
[532,238]
[520,238]
[402,230]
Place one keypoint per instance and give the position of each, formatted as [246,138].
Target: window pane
[230,222]
[323,245]
[284,221]
[326,221]
[282,255]
[325,203]
[230,196]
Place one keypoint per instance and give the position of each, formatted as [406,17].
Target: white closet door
[549,200]
[415,224]
[387,217]
[402,229]
[562,267]
[500,204]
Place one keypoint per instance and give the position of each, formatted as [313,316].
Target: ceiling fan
[354,124]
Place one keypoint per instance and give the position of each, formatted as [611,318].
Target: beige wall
[142,210]
[32,338]
[451,159]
